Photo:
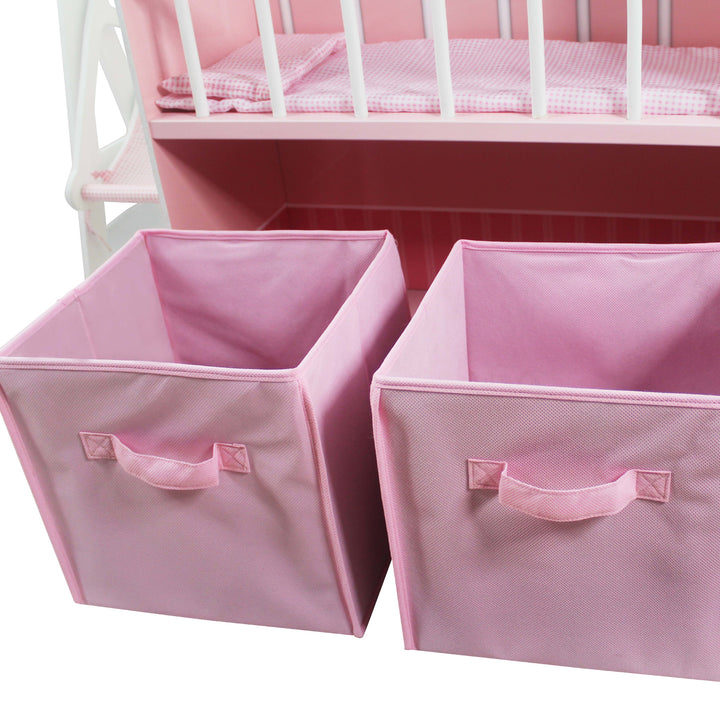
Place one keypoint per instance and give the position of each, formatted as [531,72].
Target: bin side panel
[337,380]
[636,591]
[260,301]
[579,316]
[252,549]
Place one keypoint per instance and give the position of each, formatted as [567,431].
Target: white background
[64,660]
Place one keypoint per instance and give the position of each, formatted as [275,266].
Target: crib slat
[634,59]
[287,17]
[583,20]
[361,24]
[536,35]
[353,41]
[270,56]
[192,58]
[427,17]
[504,19]
[441,41]
[665,22]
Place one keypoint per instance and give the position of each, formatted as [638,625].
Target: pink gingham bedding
[241,74]
[489,75]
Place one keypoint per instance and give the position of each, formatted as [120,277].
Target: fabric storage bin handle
[569,505]
[167,473]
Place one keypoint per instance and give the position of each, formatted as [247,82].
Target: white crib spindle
[287,17]
[270,56]
[351,23]
[192,58]
[583,20]
[361,24]
[427,17]
[441,41]
[665,22]
[536,35]
[634,59]
[504,19]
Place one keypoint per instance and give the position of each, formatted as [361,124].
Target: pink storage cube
[547,432]
[195,426]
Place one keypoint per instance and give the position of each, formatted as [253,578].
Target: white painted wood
[634,59]
[360,22]
[115,68]
[86,153]
[287,17]
[270,56]
[665,8]
[504,19]
[353,43]
[94,244]
[88,31]
[164,219]
[71,14]
[583,20]
[192,59]
[427,17]
[441,41]
[536,34]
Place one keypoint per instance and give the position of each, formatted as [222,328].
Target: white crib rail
[634,59]
[665,22]
[436,27]
[441,41]
[427,17]
[536,35]
[270,56]
[583,21]
[504,19]
[352,22]
[192,59]
[288,23]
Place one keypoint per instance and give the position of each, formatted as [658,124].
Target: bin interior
[600,317]
[214,301]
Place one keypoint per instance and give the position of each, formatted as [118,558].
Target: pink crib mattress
[489,75]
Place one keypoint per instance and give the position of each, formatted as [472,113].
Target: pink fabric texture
[489,75]
[581,383]
[130,177]
[241,74]
[194,423]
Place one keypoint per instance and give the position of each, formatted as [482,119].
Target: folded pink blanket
[489,75]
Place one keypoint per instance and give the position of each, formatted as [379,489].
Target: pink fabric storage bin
[547,433]
[195,426]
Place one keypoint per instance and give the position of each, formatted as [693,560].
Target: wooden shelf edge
[698,131]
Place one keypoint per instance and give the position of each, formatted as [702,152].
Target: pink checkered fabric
[241,74]
[129,179]
[491,75]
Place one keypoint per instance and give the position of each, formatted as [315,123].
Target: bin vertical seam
[329,520]
[384,473]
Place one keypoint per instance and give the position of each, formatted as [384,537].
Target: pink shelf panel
[488,127]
